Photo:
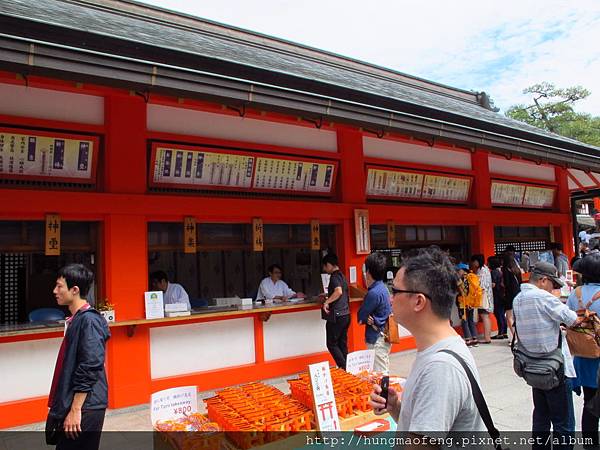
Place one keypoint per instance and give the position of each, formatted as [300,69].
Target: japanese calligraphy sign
[391,234]
[172,404]
[315,235]
[278,174]
[189,235]
[53,225]
[257,235]
[363,232]
[323,397]
[37,155]
[360,361]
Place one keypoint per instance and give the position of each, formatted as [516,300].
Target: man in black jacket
[79,394]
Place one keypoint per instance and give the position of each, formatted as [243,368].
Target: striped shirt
[538,315]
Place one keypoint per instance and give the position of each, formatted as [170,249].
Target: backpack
[584,338]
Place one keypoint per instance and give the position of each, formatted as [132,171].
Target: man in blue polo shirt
[375,310]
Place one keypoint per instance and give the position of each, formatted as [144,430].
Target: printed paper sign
[323,397]
[360,361]
[173,403]
[293,175]
[154,305]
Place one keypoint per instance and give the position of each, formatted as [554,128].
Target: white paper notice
[352,274]
[154,305]
[325,281]
[173,403]
[360,361]
[323,397]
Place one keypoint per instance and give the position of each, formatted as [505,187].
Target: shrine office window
[28,276]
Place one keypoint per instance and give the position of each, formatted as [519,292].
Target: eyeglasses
[403,291]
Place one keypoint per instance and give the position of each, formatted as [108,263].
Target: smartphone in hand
[385,385]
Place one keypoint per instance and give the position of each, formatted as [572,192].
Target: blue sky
[500,47]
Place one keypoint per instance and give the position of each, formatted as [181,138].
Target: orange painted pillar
[482,238]
[352,188]
[126,251]
[564,233]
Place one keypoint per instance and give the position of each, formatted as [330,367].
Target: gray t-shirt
[437,395]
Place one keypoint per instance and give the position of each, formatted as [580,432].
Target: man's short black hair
[159,275]
[589,268]
[272,267]
[556,246]
[429,270]
[479,258]
[376,264]
[494,262]
[77,275]
[332,259]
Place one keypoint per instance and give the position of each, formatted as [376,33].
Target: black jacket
[83,364]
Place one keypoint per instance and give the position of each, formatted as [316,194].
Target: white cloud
[497,46]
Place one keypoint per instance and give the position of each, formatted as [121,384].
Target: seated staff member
[172,292]
[274,288]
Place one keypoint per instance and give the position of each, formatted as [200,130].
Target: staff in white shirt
[274,288]
[172,292]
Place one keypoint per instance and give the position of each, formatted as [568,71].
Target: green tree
[553,110]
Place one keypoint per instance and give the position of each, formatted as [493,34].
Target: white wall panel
[52,105]
[503,166]
[413,153]
[197,347]
[294,334]
[27,368]
[199,123]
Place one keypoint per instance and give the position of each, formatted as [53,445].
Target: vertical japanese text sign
[363,232]
[52,235]
[257,235]
[189,235]
[323,397]
[391,234]
[315,235]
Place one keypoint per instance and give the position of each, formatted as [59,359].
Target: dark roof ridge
[279,45]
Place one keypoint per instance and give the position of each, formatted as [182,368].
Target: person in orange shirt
[468,299]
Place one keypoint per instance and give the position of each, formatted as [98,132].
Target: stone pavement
[508,397]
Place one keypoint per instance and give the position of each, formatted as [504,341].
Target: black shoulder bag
[482,407]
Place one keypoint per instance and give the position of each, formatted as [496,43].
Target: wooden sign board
[189,235]
[315,235]
[257,235]
[53,225]
[363,231]
[324,397]
[522,195]
[391,234]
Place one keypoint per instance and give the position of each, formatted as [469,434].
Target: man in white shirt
[274,288]
[172,292]
[437,396]
[538,315]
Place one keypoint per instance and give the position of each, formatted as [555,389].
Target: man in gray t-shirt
[437,396]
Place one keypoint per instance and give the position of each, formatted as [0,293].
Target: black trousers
[337,339]
[589,422]
[92,421]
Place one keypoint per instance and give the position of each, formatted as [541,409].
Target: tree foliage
[553,110]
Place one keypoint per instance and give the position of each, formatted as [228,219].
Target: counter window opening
[533,241]
[28,276]
[225,264]
[455,240]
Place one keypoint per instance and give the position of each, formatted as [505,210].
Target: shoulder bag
[543,371]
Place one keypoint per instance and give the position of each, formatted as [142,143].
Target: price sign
[293,175]
[172,404]
[324,397]
[49,156]
[53,225]
[360,361]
